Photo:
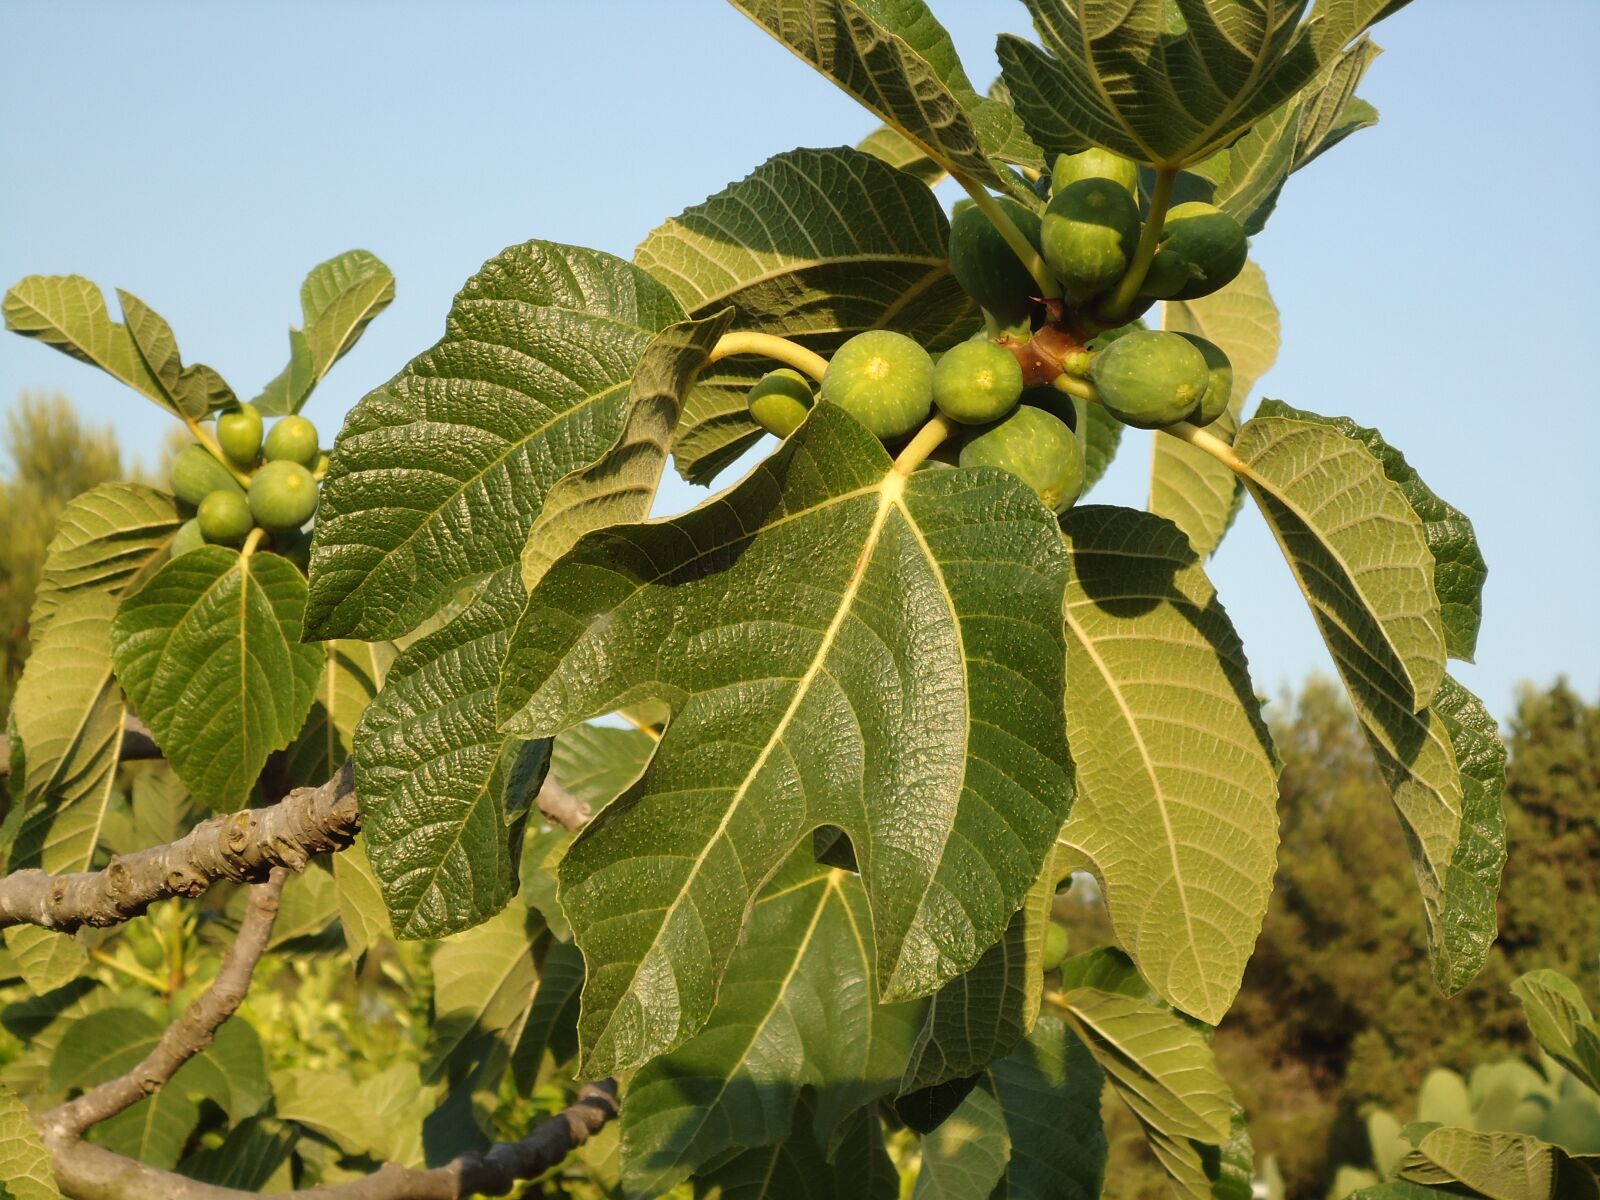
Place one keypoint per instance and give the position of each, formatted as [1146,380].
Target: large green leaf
[380,1116]
[248,1158]
[347,680]
[1248,176]
[483,987]
[1049,1090]
[1167,83]
[69,313]
[1179,785]
[1500,1166]
[827,631]
[1188,485]
[438,474]
[1159,1064]
[1459,570]
[443,793]
[110,539]
[895,58]
[1356,546]
[797,1009]
[209,652]
[856,1167]
[337,301]
[1200,1171]
[190,391]
[968,1152]
[621,485]
[816,246]
[1561,1022]
[25,1169]
[363,916]
[983,1013]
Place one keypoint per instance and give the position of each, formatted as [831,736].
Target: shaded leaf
[1178,811]
[967,1154]
[552,1022]
[1049,1091]
[874,636]
[438,474]
[443,793]
[1561,1022]
[856,1168]
[483,986]
[1190,487]
[362,912]
[247,1159]
[380,1117]
[797,1009]
[815,246]
[896,150]
[338,300]
[347,680]
[209,653]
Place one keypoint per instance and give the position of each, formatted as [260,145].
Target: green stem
[925,443]
[251,542]
[1073,386]
[210,443]
[770,345]
[1049,289]
[136,973]
[1211,444]
[1149,239]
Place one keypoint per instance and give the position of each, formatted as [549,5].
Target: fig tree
[1088,234]
[188,537]
[225,517]
[883,379]
[1219,389]
[1210,243]
[1094,163]
[780,400]
[293,439]
[977,382]
[195,474]
[282,496]
[1035,447]
[986,267]
[1150,378]
[239,435]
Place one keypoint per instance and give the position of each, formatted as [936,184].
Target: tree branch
[190,1033]
[88,1172]
[561,807]
[242,846]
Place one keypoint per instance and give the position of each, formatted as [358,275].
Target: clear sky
[204,155]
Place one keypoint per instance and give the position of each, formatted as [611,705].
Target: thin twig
[190,1033]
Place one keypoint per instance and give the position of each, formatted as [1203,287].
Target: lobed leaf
[1190,487]
[895,58]
[621,485]
[1561,1022]
[110,540]
[338,300]
[815,246]
[1179,782]
[826,631]
[443,793]
[209,652]
[1356,546]
[797,1010]
[438,475]
[1459,570]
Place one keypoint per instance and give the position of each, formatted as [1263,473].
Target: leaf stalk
[1149,240]
[770,345]
[1049,288]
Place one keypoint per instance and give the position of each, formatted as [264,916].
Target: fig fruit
[780,400]
[883,379]
[977,382]
[195,474]
[1219,390]
[239,435]
[282,496]
[293,439]
[1210,243]
[1094,163]
[986,267]
[1088,234]
[224,517]
[1150,378]
[1035,447]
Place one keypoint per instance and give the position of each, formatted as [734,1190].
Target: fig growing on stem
[883,379]
[282,496]
[195,474]
[780,400]
[225,517]
[1219,388]
[1094,163]
[1211,245]
[293,439]
[986,267]
[1150,378]
[1088,234]
[239,435]
[977,382]
[1035,447]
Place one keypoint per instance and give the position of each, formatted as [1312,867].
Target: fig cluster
[282,466]
[1008,390]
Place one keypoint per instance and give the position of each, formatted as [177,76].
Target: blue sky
[204,155]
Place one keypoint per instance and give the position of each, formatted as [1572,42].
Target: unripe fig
[282,496]
[1211,244]
[883,379]
[225,517]
[195,474]
[1055,947]
[1036,448]
[293,439]
[1094,163]
[986,267]
[780,400]
[295,545]
[1219,390]
[1088,234]
[1150,378]
[977,382]
[188,537]
[239,435]
[1168,275]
